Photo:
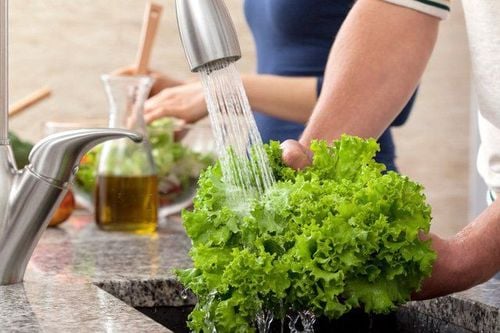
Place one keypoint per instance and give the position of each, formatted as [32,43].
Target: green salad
[177,165]
[338,235]
[21,149]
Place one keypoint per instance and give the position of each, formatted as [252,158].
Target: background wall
[66,45]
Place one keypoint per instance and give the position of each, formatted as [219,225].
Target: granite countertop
[77,270]
[86,280]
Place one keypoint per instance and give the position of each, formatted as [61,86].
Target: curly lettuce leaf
[340,234]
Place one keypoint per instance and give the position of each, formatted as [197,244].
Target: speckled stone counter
[81,279]
[474,310]
[76,269]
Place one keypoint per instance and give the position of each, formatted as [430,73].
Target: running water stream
[245,166]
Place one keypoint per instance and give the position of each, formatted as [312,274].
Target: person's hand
[161,82]
[295,155]
[443,278]
[451,271]
[186,102]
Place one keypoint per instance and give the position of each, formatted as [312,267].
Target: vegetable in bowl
[176,163]
[338,235]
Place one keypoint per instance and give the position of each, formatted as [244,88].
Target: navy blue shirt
[294,38]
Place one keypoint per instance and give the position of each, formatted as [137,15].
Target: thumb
[296,155]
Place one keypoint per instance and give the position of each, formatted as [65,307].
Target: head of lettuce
[338,235]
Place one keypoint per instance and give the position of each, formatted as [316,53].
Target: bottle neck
[126,97]
[129,117]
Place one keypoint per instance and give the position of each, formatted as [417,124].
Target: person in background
[293,39]
[376,62]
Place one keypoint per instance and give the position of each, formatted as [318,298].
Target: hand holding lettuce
[338,235]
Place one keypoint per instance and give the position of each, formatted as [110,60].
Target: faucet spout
[56,157]
[34,193]
[207,32]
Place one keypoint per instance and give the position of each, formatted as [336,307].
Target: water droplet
[184,294]
[209,324]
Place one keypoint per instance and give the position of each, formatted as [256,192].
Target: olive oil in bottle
[127,203]
[126,194]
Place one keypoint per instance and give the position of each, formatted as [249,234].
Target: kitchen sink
[172,317]
[404,320]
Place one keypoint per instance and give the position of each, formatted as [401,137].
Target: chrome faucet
[30,196]
[207,32]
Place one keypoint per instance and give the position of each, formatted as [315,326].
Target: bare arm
[469,258]
[375,65]
[289,98]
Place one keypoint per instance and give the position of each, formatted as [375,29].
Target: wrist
[448,271]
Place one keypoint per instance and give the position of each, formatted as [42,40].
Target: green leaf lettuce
[340,234]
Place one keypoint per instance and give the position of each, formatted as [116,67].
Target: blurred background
[66,45]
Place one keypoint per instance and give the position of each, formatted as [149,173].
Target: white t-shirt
[483,27]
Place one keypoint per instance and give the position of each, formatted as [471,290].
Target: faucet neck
[4,72]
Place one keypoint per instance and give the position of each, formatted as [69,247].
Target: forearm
[373,69]
[469,258]
[289,98]
[480,246]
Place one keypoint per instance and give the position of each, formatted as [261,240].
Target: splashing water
[306,323]
[209,323]
[244,162]
[264,320]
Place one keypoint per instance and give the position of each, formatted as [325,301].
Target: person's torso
[294,37]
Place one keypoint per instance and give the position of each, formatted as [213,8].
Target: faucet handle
[55,157]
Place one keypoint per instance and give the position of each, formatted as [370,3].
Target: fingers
[424,236]
[186,102]
[153,103]
[154,114]
[296,155]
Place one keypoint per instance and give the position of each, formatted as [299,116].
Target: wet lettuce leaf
[338,235]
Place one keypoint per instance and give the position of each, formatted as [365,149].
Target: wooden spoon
[149,28]
[30,100]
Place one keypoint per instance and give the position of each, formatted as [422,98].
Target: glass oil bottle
[126,194]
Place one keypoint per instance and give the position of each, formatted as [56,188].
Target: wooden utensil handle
[149,28]
[29,100]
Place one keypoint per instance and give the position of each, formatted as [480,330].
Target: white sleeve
[437,8]
[488,157]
